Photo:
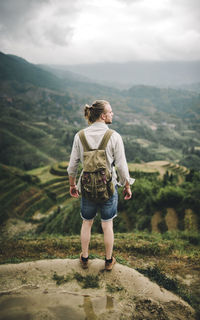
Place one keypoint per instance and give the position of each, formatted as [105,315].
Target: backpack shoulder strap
[84,142]
[105,139]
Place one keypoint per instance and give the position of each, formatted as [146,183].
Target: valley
[40,116]
[157,232]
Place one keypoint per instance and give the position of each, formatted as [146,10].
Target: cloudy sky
[90,31]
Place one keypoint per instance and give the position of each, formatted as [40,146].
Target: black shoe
[109,264]
[83,261]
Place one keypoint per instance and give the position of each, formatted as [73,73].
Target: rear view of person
[98,183]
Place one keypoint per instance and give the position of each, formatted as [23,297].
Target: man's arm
[73,167]
[122,168]
[127,191]
[73,188]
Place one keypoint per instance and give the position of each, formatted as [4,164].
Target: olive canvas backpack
[96,178]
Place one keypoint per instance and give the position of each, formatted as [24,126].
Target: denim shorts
[107,209]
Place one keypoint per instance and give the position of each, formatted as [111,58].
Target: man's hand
[127,193]
[74,191]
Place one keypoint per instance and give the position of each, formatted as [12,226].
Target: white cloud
[82,31]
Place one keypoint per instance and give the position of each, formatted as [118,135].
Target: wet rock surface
[29,291]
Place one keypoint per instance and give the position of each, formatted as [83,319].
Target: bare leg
[107,227]
[85,236]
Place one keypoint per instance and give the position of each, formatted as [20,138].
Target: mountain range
[41,109]
[171,74]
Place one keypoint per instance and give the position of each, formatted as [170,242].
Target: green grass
[57,185]
[28,147]
[60,198]
[111,288]
[88,281]
[63,189]
[43,174]
[29,202]
[17,199]
[61,279]
[54,180]
[12,193]
[8,183]
[155,274]
[63,165]
[56,170]
[176,245]
[43,204]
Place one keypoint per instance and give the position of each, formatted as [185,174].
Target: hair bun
[93,112]
[87,106]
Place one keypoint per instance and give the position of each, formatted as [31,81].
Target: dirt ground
[28,291]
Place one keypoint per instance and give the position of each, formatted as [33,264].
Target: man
[99,115]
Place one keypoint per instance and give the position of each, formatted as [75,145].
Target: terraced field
[41,196]
[161,167]
[33,195]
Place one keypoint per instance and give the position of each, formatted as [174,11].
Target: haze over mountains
[124,75]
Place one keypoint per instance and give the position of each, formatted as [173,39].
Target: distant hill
[78,83]
[13,68]
[41,111]
[32,104]
[124,75]
[62,73]
[190,87]
[183,103]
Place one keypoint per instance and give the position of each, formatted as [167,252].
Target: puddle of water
[54,306]
[96,306]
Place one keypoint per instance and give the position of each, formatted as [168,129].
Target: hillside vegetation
[30,197]
[41,112]
[165,197]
